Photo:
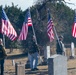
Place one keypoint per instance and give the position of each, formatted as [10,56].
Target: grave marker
[57,65]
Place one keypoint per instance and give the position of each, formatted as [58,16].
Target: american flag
[50,27]
[74,28]
[26,24]
[7,28]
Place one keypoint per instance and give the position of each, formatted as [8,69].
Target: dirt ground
[9,68]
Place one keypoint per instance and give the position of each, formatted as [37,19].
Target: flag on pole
[74,28]
[50,27]
[27,22]
[7,28]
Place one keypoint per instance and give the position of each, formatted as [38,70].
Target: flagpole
[35,38]
[55,30]
[4,40]
[33,30]
[56,33]
[34,34]
[56,36]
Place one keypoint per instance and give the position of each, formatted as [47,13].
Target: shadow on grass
[17,56]
[39,72]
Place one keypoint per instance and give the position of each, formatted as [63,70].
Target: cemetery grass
[16,55]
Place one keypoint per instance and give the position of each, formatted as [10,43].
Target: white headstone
[72,49]
[64,51]
[57,65]
[13,62]
[47,52]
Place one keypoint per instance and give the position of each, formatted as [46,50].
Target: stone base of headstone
[57,65]
[20,69]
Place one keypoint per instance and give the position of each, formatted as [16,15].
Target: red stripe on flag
[24,32]
[26,24]
[7,28]
[74,30]
[50,30]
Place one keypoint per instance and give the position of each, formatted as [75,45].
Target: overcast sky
[27,3]
[72,5]
[21,3]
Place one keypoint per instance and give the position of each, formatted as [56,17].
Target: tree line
[62,16]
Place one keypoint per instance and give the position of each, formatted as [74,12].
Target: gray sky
[73,5]
[24,4]
[21,3]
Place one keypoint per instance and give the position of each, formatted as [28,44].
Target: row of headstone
[43,60]
[57,64]
[47,51]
